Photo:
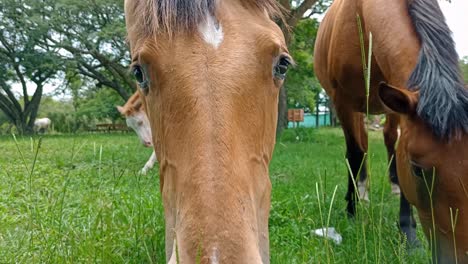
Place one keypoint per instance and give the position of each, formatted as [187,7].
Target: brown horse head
[412,48]
[433,168]
[432,155]
[211,72]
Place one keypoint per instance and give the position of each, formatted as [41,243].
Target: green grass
[85,203]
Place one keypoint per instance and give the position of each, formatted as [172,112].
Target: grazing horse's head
[136,118]
[210,71]
[433,168]
[432,154]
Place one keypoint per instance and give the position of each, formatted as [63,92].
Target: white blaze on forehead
[211,31]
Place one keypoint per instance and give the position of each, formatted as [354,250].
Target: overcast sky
[456,14]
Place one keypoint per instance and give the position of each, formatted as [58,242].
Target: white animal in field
[136,118]
[42,124]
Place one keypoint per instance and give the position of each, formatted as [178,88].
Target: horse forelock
[443,98]
[172,16]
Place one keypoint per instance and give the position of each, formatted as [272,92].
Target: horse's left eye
[281,67]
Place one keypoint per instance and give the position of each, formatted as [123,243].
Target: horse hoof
[363,193]
[364,197]
[396,189]
[409,236]
[413,244]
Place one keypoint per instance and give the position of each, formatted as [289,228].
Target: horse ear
[121,109]
[137,106]
[398,100]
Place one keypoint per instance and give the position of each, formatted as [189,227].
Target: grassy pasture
[79,199]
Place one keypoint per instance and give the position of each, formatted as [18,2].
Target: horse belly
[350,88]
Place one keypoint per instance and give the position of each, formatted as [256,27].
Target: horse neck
[395,42]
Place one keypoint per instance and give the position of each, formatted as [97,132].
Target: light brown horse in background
[210,72]
[413,52]
[135,116]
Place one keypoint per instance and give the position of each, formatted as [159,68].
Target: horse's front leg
[391,137]
[407,222]
[149,164]
[356,148]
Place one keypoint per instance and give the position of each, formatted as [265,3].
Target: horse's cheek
[405,178]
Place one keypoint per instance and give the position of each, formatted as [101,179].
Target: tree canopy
[24,61]
[301,83]
[82,45]
[59,39]
[91,37]
[298,10]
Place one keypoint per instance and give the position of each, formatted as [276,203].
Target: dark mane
[443,101]
[172,16]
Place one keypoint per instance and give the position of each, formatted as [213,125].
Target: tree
[23,62]
[60,112]
[298,10]
[91,35]
[301,82]
[84,39]
[101,104]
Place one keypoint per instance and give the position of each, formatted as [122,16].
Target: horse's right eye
[138,73]
[420,171]
[417,171]
[140,76]
[281,67]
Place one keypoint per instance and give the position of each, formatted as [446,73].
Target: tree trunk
[282,111]
[20,125]
[23,127]
[283,96]
[292,20]
[22,119]
[33,108]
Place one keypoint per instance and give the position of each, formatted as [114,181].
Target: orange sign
[296,115]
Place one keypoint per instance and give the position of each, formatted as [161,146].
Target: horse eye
[281,68]
[138,73]
[420,171]
[417,171]
[140,77]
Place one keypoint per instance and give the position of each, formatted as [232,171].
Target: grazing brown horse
[210,72]
[414,53]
